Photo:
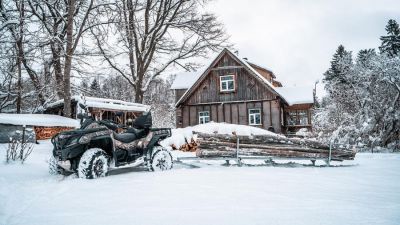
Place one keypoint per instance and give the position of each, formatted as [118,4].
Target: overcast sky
[297,38]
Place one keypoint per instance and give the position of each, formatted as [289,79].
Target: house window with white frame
[204,117]
[254,116]
[227,83]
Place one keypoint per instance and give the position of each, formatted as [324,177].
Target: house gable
[249,85]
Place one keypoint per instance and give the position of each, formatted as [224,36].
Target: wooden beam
[229,102]
[270,114]
[226,68]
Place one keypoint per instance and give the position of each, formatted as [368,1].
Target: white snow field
[364,191]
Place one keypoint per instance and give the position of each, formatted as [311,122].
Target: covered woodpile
[32,127]
[222,145]
[43,133]
[189,146]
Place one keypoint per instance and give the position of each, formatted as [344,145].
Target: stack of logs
[189,146]
[222,145]
[43,133]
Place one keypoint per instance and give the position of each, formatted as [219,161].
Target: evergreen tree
[391,43]
[84,86]
[95,88]
[106,91]
[338,64]
[365,56]
[339,81]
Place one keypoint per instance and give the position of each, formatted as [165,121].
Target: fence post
[330,153]
[23,133]
[237,151]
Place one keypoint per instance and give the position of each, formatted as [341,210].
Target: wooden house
[100,108]
[234,90]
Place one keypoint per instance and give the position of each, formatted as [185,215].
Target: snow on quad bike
[92,149]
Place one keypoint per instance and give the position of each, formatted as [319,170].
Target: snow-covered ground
[364,191]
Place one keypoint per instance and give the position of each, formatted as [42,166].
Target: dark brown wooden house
[233,90]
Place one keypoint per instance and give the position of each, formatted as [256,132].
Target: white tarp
[43,120]
[105,103]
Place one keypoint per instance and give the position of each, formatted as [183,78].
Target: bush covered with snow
[18,150]
[363,103]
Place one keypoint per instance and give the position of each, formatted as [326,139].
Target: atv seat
[130,135]
[125,137]
[140,133]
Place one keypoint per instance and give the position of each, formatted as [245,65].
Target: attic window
[227,83]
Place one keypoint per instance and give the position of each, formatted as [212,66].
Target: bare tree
[65,23]
[155,34]
[15,19]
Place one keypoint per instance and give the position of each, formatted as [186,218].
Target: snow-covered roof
[44,120]
[256,73]
[105,103]
[261,67]
[296,95]
[186,79]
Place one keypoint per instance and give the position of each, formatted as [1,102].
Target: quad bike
[92,149]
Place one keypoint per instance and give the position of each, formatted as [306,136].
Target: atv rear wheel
[161,159]
[93,164]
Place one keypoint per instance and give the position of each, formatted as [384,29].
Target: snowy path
[364,194]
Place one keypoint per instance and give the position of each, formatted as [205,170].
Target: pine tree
[340,64]
[365,56]
[106,91]
[84,86]
[95,88]
[391,43]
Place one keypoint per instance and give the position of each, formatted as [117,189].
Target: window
[254,116]
[303,117]
[204,117]
[297,117]
[227,83]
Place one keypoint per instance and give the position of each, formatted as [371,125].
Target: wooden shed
[33,127]
[100,108]
[234,90]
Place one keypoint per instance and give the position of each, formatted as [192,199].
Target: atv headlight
[84,140]
[71,143]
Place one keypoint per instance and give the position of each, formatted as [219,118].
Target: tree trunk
[68,59]
[19,84]
[20,54]
[56,51]
[219,145]
[139,84]
[261,139]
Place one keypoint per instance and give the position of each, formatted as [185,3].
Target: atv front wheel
[93,164]
[161,159]
[54,168]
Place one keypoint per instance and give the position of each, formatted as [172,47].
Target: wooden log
[230,152]
[43,133]
[218,145]
[260,139]
[211,144]
[189,146]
